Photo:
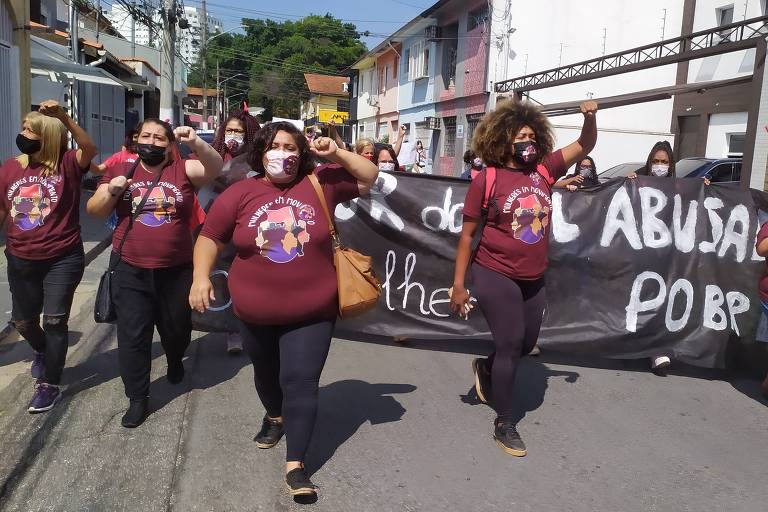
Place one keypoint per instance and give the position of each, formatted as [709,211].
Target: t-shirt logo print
[281,237]
[30,207]
[530,220]
[158,209]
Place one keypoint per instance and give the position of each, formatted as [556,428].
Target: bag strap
[136,212]
[488,201]
[490,185]
[331,226]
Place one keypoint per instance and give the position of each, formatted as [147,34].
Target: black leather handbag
[104,309]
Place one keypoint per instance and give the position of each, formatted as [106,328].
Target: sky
[380,17]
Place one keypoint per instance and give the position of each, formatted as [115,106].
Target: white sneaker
[234,343]
[659,364]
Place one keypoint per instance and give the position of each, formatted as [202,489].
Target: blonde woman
[364,147]
[41,201]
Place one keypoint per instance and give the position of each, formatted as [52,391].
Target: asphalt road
[398,430]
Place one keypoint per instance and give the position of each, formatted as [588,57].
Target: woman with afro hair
[516,143]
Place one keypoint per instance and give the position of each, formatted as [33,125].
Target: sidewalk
[96,237]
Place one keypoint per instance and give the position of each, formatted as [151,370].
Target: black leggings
[287,363]
[513,309]
[47,287]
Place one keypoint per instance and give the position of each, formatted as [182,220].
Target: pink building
[461,82]
[387,64]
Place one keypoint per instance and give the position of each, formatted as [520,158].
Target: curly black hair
[250,124]
[495,133]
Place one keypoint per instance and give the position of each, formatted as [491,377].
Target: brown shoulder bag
[359,289]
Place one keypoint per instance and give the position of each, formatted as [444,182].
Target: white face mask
[660,169]
[281,165]
[387,166]
[237,138]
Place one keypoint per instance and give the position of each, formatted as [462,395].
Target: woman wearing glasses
[232,138]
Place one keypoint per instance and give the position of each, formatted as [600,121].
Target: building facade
[325,100]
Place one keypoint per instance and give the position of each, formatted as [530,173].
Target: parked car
[206,135]
[718,170]
[619,171]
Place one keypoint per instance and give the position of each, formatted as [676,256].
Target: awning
[75,71]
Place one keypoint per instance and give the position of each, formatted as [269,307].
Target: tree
[275,57]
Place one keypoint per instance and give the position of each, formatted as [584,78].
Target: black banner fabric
[637,267]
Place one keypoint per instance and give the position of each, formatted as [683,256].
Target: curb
[91,255]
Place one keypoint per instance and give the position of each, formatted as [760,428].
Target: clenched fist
[185,134]
[588,108]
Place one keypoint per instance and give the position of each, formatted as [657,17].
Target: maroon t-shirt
[516,237]
[763,286]
[283,272]
[43,213]
[161,235]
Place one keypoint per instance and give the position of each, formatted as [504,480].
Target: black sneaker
[270,433]
[482,379]
[175,371]
[506,435]
[136,413]
[299,483]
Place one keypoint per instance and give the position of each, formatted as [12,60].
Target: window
[449,142]
[472,121]
[721,173]
[725,17]
[418,61]
[736,144]
[449,64]
[477,18]
[342,105]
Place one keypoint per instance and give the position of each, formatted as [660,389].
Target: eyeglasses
[234,131]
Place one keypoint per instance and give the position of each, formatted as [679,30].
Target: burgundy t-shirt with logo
[516,238]
[763,285]
[161,235]
[43,213]
[283,272]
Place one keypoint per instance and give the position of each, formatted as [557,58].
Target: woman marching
[44,251]
[283,281]
[233,138]
[152,252]
[508,266]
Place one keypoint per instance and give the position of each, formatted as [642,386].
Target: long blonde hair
[53,142]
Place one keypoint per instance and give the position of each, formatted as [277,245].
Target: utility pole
[98,18]
[204,16]
[218,106]
[133,29]
[167,107]
[605,37]
[663,24]
[74,50]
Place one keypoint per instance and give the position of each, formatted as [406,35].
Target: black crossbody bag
[104,308]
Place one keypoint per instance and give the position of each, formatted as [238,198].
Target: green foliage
[275,56]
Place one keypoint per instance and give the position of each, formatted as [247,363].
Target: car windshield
[689,166]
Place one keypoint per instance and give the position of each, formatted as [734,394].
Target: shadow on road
[531,385]
[15,351]
[344,407]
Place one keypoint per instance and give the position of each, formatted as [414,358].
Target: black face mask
[150,154]
[525,153]
[27,145]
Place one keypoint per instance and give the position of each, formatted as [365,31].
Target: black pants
[287,363]
[145,298]
[47,287]
[514,311]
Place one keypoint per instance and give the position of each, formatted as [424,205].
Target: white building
[121,19]
[556,33]
[189,39]
[187,42]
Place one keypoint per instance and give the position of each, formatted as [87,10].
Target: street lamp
[234,96]
[219,83]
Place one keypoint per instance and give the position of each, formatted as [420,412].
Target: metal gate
[9,86]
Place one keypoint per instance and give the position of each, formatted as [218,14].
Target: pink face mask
[281,165]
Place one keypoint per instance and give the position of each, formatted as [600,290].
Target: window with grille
[449,140]
[418,61]
[472,122]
